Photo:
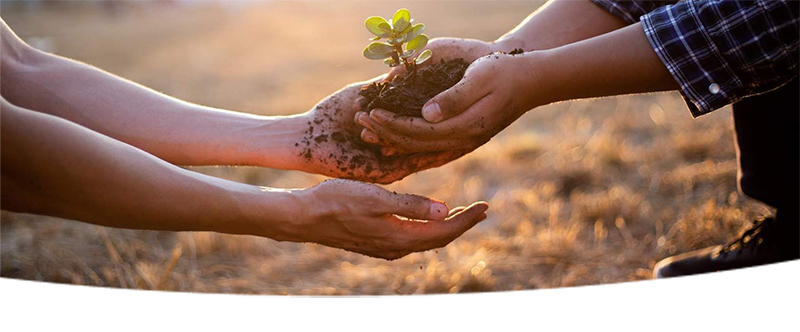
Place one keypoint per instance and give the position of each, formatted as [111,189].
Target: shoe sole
[681,291]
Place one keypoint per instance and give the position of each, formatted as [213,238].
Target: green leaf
[397,40]
[408,54]
[380,48]
[424,56]
[410,24]
[417,43]
[415,31]
[390,62]
[373,56]
[386,28]
[401,25]
[401,14]
[374,23]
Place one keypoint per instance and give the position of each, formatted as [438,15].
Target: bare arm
[55,167]
[616,63]
[171,129]
[188,134]
[557,23]
[498,89]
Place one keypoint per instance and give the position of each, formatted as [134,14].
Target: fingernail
[432,112]
[363,121]
[369,137]
[438,211]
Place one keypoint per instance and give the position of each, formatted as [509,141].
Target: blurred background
[584,192]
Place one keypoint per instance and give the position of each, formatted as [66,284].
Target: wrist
[270,141]
[279,214]
[540,74]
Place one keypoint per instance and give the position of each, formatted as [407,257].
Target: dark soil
[407,93]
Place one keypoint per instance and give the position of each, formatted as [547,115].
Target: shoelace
[751,238]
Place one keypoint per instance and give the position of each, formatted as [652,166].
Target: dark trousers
[767,132]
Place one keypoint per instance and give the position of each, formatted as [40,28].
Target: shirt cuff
[682,43]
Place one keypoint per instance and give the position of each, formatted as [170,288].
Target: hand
[495,91]
[331,145]
[370,220]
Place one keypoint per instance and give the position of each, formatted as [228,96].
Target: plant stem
[398,50]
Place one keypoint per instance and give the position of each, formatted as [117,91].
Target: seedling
[403,40]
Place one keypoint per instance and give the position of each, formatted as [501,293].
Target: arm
[671,49]
[545,28]
[55,167]
[171,129]
[619,62]
[188,134]
[542,29]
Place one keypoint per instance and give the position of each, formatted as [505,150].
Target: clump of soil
[407,93]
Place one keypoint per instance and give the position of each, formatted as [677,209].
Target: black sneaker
[763,243]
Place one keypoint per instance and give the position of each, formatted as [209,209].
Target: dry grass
[583,192]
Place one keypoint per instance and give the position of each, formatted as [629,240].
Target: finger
[415,126]
[454,100]
[437,234]
[412,206]
[456,210]
[378,134]
[358,115]
[369,136]
[358,103]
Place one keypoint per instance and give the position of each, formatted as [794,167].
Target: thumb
[414,207]
[454,100]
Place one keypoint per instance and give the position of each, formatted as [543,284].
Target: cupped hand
[495,91]
[370,220]
[331,144]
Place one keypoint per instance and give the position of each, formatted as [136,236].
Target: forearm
[54,167]
[616,63]
[176,131]
[557,23]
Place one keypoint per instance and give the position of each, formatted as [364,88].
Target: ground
[584,192]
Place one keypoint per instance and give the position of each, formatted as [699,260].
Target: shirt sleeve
[720,51]
[630,11]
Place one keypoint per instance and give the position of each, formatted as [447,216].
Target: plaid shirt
[719,51]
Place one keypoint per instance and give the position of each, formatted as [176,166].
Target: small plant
[403,37]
